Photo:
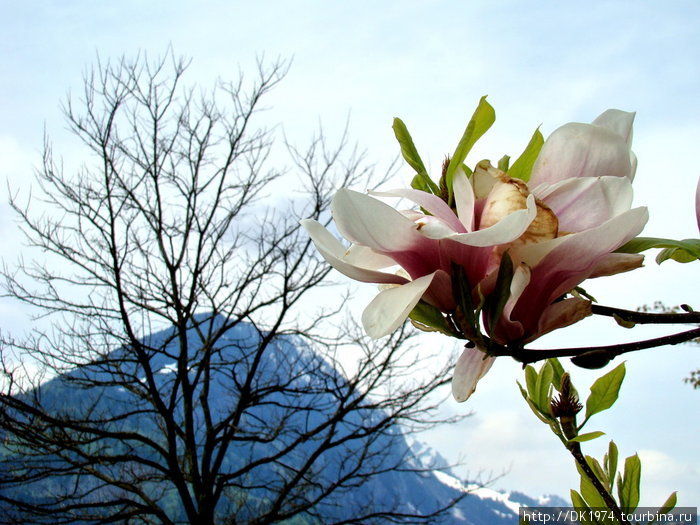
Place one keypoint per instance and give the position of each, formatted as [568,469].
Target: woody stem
[575,450]
[647,317]
[532,355]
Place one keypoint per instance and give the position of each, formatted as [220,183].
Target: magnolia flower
[591,196]
[559,229]
[423,245]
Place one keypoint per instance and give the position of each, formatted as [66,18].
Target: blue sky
[428,62]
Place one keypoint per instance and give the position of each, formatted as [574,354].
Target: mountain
[421,484]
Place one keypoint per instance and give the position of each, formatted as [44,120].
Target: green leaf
[587,516]
[522,167]
[667,507]
[591,497]
[408,148]
[531,380]
[501,293]
[462,292]
[503,163]
[422,181]
[577,500]
[682,251]
[604,391]
[545,418]
[558,372]
[483,118]
[680,255]
[579,504]
[588,436]
[597,468]
[610,463]
[588,490]
[628,487]
[430,317]
[543,387]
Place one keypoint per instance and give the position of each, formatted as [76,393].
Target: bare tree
[183,378]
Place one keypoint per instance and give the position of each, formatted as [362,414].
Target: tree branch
[590,354]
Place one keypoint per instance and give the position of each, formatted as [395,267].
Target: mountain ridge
[421,485]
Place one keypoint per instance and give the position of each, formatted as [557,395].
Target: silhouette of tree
[183,377]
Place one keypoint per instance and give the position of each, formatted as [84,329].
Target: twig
[575,450]
[532,355]
[647,317]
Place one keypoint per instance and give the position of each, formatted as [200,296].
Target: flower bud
[566,406]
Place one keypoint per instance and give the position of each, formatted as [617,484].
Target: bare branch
[185,376]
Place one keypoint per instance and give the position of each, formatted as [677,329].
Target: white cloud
[661,469]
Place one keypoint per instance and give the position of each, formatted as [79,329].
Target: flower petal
[509,329]
[506,230]
[429,202]
[464,199]
[471,366]
[367,258]
[581,150]
[614,263]
[561,314]
[570,261]
[618,121]
[334,253]
[367,221]
[484,178]
[633,162]
[586,202]
[433,228]
[391,307]
[439,293]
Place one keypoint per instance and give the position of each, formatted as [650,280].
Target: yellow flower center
[508,195]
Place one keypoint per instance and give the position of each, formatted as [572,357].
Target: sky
[428,62]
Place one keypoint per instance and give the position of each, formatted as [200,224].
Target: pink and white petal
[471,366]
[506,230]
[439,293]
[464,199]
[367,258]
[477,261]
[572,260]
[391,307]
[333,252]
[532,254]
[562,314]
[586,202]
[367,221]
[484,178]
[619,121]
[614,263]
[581,150]
[429,202]
[521,278]
[576,258]
[508,329]
[433,228]
[633,165]
[602,240]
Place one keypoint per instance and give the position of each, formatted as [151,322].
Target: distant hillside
[421,484]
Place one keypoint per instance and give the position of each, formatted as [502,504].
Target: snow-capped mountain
[423,486]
